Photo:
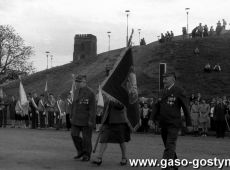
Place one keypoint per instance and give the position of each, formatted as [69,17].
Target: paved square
[26,149]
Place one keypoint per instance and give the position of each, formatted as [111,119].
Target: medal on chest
[171,100]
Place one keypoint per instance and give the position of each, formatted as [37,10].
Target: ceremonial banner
[121,84]
[46,93]
[100,101]
[23,102]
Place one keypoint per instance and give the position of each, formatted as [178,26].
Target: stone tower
[85,46]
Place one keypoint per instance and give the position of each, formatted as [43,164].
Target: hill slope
[177,54]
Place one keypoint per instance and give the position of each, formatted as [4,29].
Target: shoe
[123,161]
[85,159]
[98,161]
[78,156]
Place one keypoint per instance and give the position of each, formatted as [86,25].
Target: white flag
[100,101]
[22,94]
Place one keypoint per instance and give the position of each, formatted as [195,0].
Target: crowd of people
[203,31]
[207,115]
[211,114]
[168,36]
[42,112]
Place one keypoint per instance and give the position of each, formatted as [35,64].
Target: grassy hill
[178,55]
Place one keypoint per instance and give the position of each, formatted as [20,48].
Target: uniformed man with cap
[167,111]
[83,115]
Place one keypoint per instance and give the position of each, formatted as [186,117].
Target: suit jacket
[83,109]
[168,110]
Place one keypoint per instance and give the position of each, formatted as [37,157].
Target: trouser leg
[77,140]
[169,137]
[87,141]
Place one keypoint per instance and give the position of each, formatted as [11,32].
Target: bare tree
[14,54]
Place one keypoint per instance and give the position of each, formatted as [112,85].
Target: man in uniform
[168,112]
[83,114]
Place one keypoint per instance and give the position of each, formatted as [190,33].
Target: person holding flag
[121,113]
[22,105]
[42,111]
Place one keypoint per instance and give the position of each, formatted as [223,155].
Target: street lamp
[139,31]
[187,10]
[109,39]
[47,55]
[51,59]
[127,38]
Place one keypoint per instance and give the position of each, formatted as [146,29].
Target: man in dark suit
[168,112]
[83,115]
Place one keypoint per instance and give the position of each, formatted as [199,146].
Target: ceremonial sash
[34,104]
[61,114]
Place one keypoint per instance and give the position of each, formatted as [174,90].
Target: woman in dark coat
[12,111]
[114,130]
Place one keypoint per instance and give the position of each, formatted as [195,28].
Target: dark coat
[115,113]
[12,109]
[219,112]
[83,111]
[168,110]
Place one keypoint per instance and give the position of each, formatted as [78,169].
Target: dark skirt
[115,133]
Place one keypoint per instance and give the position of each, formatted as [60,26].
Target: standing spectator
[212,107]
[145,113]
[195,117]
[211,32]
[192,98]
[204,110]
[224,24]
[205,31]
[200,30]
[2,113]
[218,28]
[60,113]
[42,111]
[12,111]
[68,111]
[50,108]
[219,117]
[199,98]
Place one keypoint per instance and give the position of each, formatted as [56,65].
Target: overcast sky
[50,25]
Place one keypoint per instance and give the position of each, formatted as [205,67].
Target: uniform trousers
[169,136]
[82,144]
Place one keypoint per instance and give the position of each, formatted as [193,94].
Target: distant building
[85,46]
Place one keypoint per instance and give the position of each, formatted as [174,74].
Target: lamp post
[47,55]
[109,39]
[187,10]
[51,60]
[139,31]
[127,37]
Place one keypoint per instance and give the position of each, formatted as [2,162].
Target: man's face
[168,81]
